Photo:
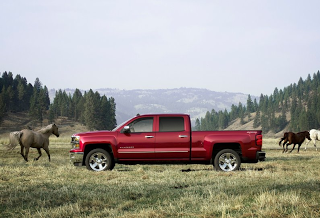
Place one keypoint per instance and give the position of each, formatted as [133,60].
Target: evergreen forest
[91,109]
[295,108]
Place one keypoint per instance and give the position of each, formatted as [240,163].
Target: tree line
[18,95]
[295,108]
[90,109]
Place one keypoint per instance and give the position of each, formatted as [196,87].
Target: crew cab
[165,139]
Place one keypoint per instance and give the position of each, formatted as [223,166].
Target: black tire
[227,160]
[99,160]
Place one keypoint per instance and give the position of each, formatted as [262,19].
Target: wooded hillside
[294,108]
[90,109]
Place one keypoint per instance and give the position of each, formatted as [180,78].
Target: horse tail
[284,137]
[281,141]
[14,139]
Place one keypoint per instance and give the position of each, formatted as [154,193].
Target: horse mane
[46,129]
[302,132]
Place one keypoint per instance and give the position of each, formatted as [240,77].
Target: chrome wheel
[99,160]
[227,160]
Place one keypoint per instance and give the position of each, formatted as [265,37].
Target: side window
[142,125]
[171,124]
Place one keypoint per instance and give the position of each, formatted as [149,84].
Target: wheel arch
[220,146]
[90,147]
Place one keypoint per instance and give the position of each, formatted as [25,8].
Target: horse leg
[314,143]
[284,143]
[305,145]
[26,153]
[46,148]
[294,145]
[285,147]
[39,151]
[288,143]
[22,152]
[299,147]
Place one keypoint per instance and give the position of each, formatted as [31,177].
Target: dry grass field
[285,185]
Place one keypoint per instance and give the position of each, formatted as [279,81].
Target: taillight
[259,140]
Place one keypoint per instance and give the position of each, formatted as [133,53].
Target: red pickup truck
[165,138]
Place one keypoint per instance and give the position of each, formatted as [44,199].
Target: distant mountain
[193,101]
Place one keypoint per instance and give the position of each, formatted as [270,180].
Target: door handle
[149,136]
[183,136]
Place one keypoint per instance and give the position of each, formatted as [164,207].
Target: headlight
[75,142]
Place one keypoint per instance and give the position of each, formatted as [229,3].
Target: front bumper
[76,158]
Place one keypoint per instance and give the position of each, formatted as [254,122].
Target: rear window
[171,124]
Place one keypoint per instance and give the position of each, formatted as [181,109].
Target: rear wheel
[99,160]
[227,160]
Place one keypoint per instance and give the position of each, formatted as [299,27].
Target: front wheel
[99,160]
[227,160]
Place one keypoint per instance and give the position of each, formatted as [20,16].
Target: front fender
[100,142]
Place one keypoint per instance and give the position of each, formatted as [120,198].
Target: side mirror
[126,129]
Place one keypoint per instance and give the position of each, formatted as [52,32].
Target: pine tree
[112,113]
[39,102]
[303,121]
[256,121]
[51,116]
[250,105]
[197,125]
[105,113]
[10,99]
[2,107]
[21,96]
[35,111]
[205,123]
[264,123]
[77,101]
[44,102]
[255,104]
[91,110]
[223,119]
[234,113]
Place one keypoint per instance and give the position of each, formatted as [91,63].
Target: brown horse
[293,138]
[34,139]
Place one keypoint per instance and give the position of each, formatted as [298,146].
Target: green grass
[285,185]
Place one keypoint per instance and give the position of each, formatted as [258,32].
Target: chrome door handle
[183,136]
[149,136]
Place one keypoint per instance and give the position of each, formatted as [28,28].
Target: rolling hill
[193,101]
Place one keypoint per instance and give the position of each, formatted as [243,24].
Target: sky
[247,46]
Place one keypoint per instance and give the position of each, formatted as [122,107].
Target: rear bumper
[76,158]
[261,155]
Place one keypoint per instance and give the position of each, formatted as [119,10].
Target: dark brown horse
[293,138]
[34,139]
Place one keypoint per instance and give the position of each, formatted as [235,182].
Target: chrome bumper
[76,158]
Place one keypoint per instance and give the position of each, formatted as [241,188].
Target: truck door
[172,139]
[138,142]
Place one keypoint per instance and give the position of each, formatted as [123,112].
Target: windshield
[117,127]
